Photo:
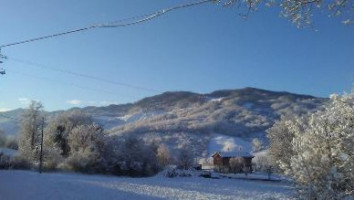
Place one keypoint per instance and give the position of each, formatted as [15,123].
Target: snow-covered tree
[257,145]
[11,143]
[129,155]
[86,144]
[2,139]
[30,136]
[299,12]
[185,158]
[59,129]
[281,136]
[263,161]
[163,155]
[52,157]
[322,159]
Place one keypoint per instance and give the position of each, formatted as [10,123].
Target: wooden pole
[41,155]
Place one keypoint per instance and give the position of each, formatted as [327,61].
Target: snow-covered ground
[224,143]
[140,116]
[216,99]
[255,175]
[20,185]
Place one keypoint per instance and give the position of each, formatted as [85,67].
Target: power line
[71,84]
[116,24]
[61,82]
[38,65]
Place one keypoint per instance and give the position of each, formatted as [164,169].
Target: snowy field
[31,185]
[224,143]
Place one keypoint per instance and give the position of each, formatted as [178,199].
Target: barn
[232,161]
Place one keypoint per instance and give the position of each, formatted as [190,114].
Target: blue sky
[197,49]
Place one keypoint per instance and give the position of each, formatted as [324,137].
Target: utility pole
[41,155]
[2,71]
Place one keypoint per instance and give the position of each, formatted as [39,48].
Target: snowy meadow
[76,186]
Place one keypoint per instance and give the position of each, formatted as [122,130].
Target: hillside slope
[232,112]
[185,118]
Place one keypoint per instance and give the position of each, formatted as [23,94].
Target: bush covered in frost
[317,151]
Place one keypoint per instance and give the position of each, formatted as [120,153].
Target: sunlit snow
[31,185]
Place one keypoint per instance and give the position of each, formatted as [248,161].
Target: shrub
[11,143]
[2,139]
[4,161]
[78,163]
[51,158]
[263,161]
[172,172]
[20,162]
[163,155]
[86,147]
[185,158]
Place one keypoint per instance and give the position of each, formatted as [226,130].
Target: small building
[240,162]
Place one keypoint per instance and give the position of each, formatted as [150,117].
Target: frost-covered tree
[257,145]
[138,158]
[322,159]
[2,139]
[299,12]
[263,161]
[86,138]
[52,157]
[281,136]
[185,158]
[59,129]
[163,155]
[11,143]
[30,136]
[86,144]
[112,154]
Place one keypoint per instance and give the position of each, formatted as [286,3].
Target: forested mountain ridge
[239,112]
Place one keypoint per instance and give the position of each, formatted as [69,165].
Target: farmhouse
[232,161]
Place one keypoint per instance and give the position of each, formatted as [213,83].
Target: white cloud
[4,109]
[75,102]
[24,100]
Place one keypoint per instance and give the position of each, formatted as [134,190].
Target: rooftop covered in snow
[232,154]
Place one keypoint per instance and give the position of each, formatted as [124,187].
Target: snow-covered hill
[224,143]
[180,118]
[230,112]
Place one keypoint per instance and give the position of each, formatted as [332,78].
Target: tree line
[314,150]
[73,141]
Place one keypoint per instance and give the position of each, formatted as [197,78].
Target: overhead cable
[115,24]
[38,65]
